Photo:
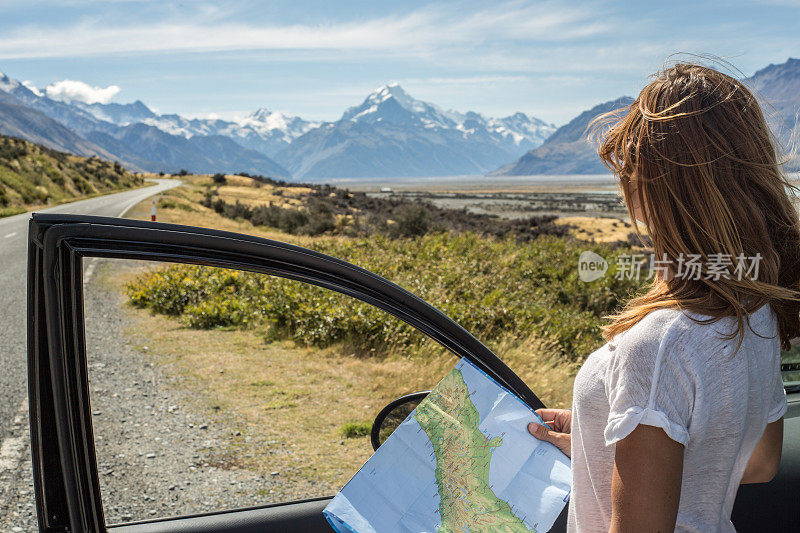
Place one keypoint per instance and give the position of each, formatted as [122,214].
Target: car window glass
[216,389]
[790,366]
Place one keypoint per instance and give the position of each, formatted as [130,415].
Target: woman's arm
[646,483]
[766,458]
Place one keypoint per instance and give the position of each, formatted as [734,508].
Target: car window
[216,389]
[790,367]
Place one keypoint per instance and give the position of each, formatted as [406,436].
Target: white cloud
[72,90]
[464,80]
[32,88]
[415,32]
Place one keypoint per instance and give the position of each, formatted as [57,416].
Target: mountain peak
[271,119]
[393,104]
[8,84]
[140,105]
[792,65]
[274,124]
[391,90]
[261,112]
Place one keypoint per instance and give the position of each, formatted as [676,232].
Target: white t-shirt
[671,372]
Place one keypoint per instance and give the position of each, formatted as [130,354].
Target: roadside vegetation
[323,209]
[307,366]
[32,176]
[490,286]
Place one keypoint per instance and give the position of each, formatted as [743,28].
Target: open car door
[66,475]
[67,487]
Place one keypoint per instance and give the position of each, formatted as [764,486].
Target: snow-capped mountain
[275,124]
[522,128]
[382,104]
[265,131]
[393,134]
[389,134]
[119,114]
[116,131]
[7,84]
[391,102]
[566,151]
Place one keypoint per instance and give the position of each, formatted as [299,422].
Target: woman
[685,402]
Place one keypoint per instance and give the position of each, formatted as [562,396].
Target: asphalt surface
[14,445]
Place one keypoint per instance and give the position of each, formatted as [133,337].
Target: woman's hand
[558,429]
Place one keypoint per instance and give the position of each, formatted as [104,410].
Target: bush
[364,216]
[320,220]
[413,221]
[219,179]
[352,430]
[492,288]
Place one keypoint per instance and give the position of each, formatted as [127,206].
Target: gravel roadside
[158,456]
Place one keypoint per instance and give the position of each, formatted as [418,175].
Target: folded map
[463,460]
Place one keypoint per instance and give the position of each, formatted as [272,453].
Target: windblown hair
[708,180]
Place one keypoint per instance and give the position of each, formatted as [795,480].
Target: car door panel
[774,506]
[297,517]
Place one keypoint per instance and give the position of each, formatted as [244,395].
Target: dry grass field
[598,229]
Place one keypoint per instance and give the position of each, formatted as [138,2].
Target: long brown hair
[709,182]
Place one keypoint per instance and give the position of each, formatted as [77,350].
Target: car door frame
[65,470]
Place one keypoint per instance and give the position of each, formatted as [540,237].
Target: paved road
[13,266]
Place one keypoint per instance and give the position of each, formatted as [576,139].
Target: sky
[552,59]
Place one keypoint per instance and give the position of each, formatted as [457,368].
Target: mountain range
[389,134]
[567,151]
[116,132]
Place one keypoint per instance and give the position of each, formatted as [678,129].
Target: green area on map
[463,454]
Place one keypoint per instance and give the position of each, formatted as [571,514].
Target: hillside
[33,175]
[567,151]
[19,120]
[778,86]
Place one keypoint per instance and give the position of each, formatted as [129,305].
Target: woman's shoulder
[650,330]
[684,332]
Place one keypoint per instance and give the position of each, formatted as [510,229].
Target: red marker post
[153,211]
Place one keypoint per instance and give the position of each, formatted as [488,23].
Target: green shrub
[352,430]
[320,219]
[491,287]
[413,221]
